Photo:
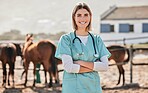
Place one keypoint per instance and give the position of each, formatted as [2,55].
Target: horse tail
[18,49]
[128,55]
[53,62]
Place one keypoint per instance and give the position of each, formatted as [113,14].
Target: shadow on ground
[125,87]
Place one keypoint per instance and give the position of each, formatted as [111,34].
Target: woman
[83,54]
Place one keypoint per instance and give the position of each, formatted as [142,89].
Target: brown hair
[77,7]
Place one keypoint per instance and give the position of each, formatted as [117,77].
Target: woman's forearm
[68,64]
[96,66]
[71,67]
[102,65]
[84,69]
[89,65]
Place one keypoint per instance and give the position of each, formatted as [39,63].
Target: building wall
[117,35]
[137,24]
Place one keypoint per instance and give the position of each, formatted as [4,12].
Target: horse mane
[28,42]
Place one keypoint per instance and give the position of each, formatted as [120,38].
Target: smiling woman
[83,54]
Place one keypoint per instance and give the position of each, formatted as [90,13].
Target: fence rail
[124,39]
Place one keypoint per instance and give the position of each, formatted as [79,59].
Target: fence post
[131,63]
[124,41]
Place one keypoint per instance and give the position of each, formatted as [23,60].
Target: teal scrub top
[81,82]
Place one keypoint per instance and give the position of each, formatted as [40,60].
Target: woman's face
[82,18]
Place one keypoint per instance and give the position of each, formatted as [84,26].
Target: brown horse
[8,55]
[41,52]
[119,54]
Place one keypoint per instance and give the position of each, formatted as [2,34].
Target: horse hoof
[24,85]
[117,84]
[49,85]
[13,87]
[4,85]
[57,82]
[45,82]
[123,84]
[33,85]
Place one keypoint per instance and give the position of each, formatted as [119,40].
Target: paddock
[108,79]
[134,82]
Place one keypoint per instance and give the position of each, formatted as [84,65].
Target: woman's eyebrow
[78,14]
[86,14]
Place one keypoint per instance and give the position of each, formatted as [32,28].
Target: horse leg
[45,76]
[57,81]
[50,83]
[11,72]
[47,68]
[121,72]
[4,74]
[22,74]
[119,78]
[9,76]
[123,78]
[54,69]
[34,76]
[56,76]
[26,71]
[13,66]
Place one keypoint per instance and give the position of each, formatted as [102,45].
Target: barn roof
[126,13]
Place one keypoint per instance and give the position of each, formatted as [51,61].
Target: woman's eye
[85,14]
[78,15]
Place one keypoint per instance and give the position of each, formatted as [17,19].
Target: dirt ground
[108,80]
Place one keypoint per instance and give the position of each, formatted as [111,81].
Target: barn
[127,23]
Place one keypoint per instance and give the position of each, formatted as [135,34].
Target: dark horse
[8,55]
[41,52]
[19,47]
[119,54]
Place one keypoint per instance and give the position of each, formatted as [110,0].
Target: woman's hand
[89,65]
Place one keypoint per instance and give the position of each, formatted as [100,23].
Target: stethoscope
[82,53]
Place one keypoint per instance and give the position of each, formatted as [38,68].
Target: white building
[125,22]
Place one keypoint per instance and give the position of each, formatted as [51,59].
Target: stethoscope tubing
[81,41]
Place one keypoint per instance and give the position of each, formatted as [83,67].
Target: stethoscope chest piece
[80,54]
[96,55]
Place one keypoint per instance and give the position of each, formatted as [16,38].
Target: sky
[51,16]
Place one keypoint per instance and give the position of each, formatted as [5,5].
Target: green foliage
[16,35]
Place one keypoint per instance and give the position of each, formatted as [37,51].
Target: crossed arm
[82,66]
